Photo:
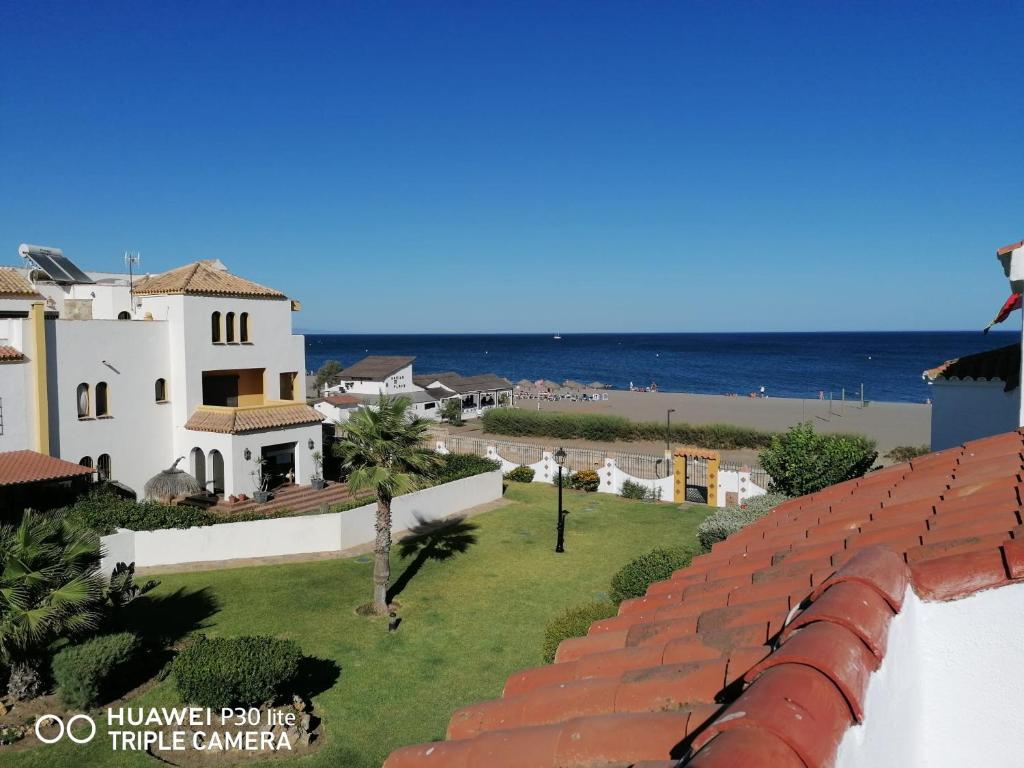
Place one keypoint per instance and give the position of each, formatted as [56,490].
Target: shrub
[631,490]
[902,453]
[633,579]
[573,622]
[104,512]
[83,671]
[802,461]
[605,428]
[246,671]
[521,474]
[585,480]
[455,466]
[725,522]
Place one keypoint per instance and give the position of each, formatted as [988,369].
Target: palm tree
[49,589]
[384,451]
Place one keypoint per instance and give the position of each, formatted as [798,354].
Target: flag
[1012,303]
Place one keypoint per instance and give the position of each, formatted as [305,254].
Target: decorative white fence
[302,534]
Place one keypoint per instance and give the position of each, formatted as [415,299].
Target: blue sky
[431,166]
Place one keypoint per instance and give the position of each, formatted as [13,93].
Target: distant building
[378,375]
[979,395]
[122,378]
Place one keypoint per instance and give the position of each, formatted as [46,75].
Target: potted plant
[317,480]
[260,481]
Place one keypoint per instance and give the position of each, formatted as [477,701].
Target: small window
[86,461]
[243,327]
[123,316]
[229,327]
[160,390]
[215,327]
[103,466]
[83,401]
[287,382]
[101,399]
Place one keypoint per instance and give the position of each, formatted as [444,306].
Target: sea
[888,365]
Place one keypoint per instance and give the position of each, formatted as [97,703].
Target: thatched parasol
[570,384]
[172,483]
[598,385]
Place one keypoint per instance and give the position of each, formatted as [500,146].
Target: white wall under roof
[950,689]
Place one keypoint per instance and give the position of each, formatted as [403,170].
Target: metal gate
[696,480]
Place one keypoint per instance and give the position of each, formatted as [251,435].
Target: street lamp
[560,461]
[668,427]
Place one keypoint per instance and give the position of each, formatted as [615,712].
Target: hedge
[104,511]
[573,622]
[724,522]
[603,428]
[633,579]
[456,466]
[83,671]
[246,671]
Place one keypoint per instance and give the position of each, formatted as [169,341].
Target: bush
[573,622]
[902,453]
[632,490]
[246,671]
[83,671]
[633,579]
[585,480]
[802,461]
[605,428]
[104,512]
[455,466]
[725,522]
[521,474]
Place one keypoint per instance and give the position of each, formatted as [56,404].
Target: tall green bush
[802,461]
[573,622]
[633,579]
[604,428]
[83,672]
[246,671]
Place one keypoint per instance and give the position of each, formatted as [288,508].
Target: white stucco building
[979,395]
[195,362]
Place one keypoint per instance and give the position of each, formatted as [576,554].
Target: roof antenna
[132,260]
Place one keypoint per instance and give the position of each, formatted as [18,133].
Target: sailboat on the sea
[557,336]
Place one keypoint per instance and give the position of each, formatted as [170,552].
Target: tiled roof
[759,652]
[10,354]
[342,401]
[456,382]
[14,285]
[20,467]
[235,421]
[1002,364]
[203,279]
[375,367]
[1008,248]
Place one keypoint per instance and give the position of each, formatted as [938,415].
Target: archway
[217,471]
[199,467]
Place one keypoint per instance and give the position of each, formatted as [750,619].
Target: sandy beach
[889,424]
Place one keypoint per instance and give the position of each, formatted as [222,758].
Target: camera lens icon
[65,729]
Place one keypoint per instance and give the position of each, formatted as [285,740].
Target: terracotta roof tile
[783,623]
[203,279]
[10,354]
[14,286]
[234,421]
[1009,248]
[20,467]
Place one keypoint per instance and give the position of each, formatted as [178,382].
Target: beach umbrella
[172,483]
[598,385]
[570,384]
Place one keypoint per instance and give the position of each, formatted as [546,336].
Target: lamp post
[560,542]
[668,428]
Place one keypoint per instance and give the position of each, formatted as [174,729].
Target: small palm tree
[49,590]
[384,450]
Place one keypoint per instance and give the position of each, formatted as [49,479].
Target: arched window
[86,461]
[123,316]
[243,327]
[102,406]
[83,401]
[103,466]
[229,327]
[215,327]
[160,390]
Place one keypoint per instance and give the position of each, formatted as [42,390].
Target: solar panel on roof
[59,268]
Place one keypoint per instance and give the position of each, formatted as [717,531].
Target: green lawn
[468,621]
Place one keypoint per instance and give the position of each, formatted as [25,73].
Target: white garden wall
[304,534]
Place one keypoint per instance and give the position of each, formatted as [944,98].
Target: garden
[477,599]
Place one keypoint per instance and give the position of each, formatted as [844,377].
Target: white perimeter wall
[950,689]
[305,534]
[967,410]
